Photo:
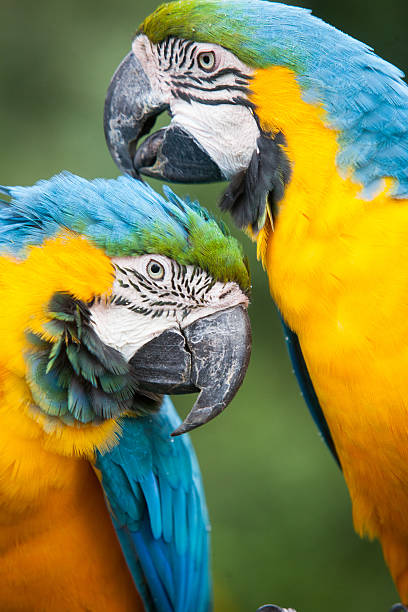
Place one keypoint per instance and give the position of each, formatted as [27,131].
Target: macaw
[111,296]
[310,128]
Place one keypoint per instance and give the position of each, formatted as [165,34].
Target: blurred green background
[282,529]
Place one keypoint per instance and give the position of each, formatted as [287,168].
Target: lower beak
[131,108]
[210,356]
[172,154]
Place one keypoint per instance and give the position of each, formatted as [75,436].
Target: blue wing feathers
[167,518]
[180,521]
[134,565]
[192,515]
[152,497]
[157,592]
[307,389]
[153,488]
[164,569]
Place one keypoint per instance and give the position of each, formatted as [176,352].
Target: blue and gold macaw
[111,295]
[311,129]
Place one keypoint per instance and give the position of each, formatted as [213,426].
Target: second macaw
[110,296]
[311,128]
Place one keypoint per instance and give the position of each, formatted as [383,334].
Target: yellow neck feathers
[34,446]
[319,206]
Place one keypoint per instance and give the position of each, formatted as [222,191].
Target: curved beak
[211,356]
[130,111]
[132,106]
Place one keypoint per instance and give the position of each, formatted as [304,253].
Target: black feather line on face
[262,183]
[76,375]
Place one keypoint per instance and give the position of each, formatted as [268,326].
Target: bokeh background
[282,529]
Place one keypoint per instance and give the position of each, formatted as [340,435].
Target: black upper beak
[130,111]
[211,356]
[131,108]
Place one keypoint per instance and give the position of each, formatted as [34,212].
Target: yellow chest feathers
[330,247]
[36,449]
[337,267]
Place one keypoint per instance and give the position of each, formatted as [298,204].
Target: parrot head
[242,80]
[114,295]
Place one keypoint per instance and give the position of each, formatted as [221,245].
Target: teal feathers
[78,377]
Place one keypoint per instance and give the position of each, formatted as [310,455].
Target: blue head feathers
[364,96]
[123,217]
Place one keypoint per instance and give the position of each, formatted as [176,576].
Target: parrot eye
[206,61]
[155,270]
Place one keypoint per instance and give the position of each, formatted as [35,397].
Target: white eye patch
[152,293]
[226,132]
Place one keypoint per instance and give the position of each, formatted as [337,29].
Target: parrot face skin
[317,160]
[178,75]
[174,298]
[111,297]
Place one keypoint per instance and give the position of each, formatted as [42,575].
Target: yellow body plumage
[58,548]
[337,266]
